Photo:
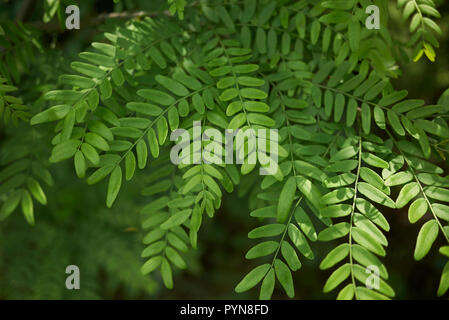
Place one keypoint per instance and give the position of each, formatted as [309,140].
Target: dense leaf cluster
[351,144]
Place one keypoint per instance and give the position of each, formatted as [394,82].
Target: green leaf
[100,128]
[225,17]
[250,81]
[64,150]
[238,121]
[298,239]
[142,153]
[342,166]
[175,258]
[173,118]
[417,210]
[153,143]
[286,198]
[96,141]
[379,117]
[90,153]
[260,119]
[344,154]
[335,256]
[366,258]
[395,122]
[36,190]
[399,178]
[182,202]
[305,223]
[347,293]
[233,108]
[151,265]
[337,277]
[158,187]
[290,256]
[437,193]
[157,57]
[365,224]
[351,112]
[362,275]
[252,278]
[444,281]
[144,108]
[392,98]
[426,237]
[366,118]
[162,130]
[246,68]
[52,114]
[335,231]
[335,211]
[311,192]
[407,193]
[191,184]
[269,230]
[262,249]
[10,204]
[267,212]
[375,195]
[229,94]
[369,294]
[374,179]
[115,182]
[172,85]
[444,251]
[27,207]
[441,210]
[407,105]
[98,59]
[367,240]
[354,35]
[261,40]
[338,195]
[315,31]
[284,276]
[251,93]
[374,160]
[433,180]
[372,213]
[117,77]
[100,174]
[267,287]
[328,102]
[130,165]
[198,103]
[153,249]
[156,96]
[166,273]
[341,180]
[176,219]
[63,95]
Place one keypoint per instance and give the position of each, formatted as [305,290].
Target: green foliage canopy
[351,145]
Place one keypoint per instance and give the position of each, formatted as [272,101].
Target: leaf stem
[351,263]
[412,171]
